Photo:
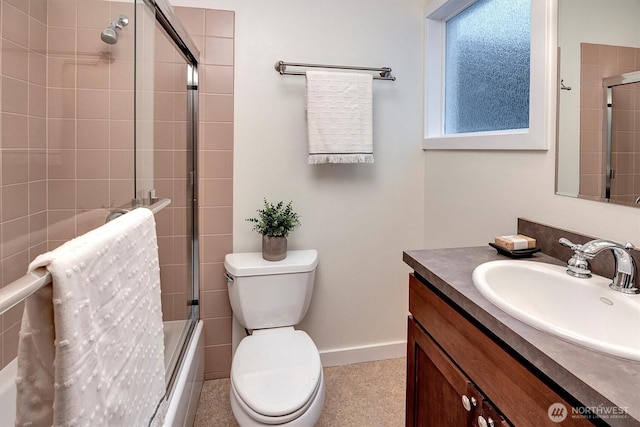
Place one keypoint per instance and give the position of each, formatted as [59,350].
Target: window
[488,81]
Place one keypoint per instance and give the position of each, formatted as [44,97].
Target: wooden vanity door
[437,391]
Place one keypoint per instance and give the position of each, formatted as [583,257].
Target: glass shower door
[165,135]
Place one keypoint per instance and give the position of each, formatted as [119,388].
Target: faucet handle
[629,245]
[568,243]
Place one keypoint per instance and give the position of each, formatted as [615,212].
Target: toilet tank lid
[252,263]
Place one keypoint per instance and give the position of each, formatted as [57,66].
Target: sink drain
[606,301]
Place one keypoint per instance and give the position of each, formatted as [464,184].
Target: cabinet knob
[485,422]
[469,403]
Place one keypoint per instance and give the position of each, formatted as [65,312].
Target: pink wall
[598,61]
[213,33]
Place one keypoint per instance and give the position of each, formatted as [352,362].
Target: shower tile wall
[66,130]
[598,61]
[213,33]
[23,29]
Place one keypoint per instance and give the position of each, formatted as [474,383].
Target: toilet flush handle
[229,278]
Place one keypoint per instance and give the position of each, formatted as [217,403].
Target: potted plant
[275,222]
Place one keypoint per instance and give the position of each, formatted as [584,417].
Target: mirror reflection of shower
[622,128]
[110,34]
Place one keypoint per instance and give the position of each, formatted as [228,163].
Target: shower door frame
[166,18]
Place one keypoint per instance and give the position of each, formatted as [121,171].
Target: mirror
[595,152]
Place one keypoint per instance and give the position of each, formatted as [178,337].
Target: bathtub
[183,397]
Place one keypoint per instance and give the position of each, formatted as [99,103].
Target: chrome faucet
[623,278]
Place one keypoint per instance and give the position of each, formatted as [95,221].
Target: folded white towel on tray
[91,350]
[339,117]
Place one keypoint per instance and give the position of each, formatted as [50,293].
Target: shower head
[109,35]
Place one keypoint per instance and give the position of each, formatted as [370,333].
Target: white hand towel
[91,350]
[339,117]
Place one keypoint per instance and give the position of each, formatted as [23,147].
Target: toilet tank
[268,294]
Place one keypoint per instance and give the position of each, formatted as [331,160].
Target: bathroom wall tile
[15,96]
[61,226]
[37,36]
[65,194]
[218,79]
[218,51]
[219,23]
[214,248]
[92,194]
[38,197]
[61,72]
[590,162]
[121,105]
[121,134]
[37,229]
[121,75]
[15,60]
[218,108]
[217,136]
[37,165]
[15,236]
[214,304]
[15,166]
[14,267]
[163,134]
[216,164]
[90,76]
[92,164]
[192,19]
[37,69]
[61,164]
[217,220]
[164,106]
[19,4]
[62,13]
[212,276]
[164,222]
[15,25]
[14,131]
[217,361]
[121,164]
[61,103]
[37,101]
[37,133]
[217,331]
[62,133]
[38,10]
[92,133]
[61,42]
[216,192]
[93,104]
[94,14]
[19,206]
[120,193]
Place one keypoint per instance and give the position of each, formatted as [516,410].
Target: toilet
[276,373]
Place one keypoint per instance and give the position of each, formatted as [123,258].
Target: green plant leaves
[275,220]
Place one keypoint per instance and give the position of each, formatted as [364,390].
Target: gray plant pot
[274,248]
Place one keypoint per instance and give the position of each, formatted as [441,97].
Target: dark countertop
[595,379]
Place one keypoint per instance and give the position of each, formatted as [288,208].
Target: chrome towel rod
[281,67]
[27,285]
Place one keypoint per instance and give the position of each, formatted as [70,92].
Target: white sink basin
[584,311]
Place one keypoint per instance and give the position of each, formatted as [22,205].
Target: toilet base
[308,419]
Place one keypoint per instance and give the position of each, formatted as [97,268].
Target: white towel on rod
[339,117]
[91,350]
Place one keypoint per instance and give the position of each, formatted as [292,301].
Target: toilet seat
[276,374]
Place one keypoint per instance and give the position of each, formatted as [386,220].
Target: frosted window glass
[487,67]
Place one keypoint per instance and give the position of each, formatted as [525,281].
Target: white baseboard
[365,353]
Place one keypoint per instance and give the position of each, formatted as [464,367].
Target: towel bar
[281,67]
[20,289]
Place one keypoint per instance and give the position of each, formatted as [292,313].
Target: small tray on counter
[518,253]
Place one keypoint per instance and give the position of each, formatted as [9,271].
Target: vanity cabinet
[459,375]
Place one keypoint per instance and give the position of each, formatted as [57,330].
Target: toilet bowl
[276,373]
